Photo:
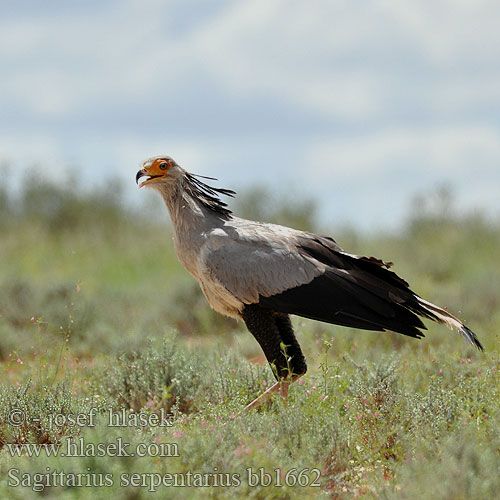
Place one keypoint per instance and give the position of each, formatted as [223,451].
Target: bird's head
[163,174]
[158,170]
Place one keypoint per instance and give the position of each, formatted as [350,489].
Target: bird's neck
[191,223]
[187,213]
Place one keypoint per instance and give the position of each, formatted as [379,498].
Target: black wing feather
[354,291]
[333,300]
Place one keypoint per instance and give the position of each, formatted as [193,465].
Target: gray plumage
[245,264]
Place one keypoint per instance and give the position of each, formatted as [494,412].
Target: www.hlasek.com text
[78,447]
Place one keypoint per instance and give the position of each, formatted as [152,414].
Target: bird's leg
[262,325]
[275,335]
[281,386]
[297,362]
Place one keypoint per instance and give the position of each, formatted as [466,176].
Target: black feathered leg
[263,326]
[297,361]
[275,335]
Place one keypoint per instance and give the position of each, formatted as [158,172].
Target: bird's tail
[439,315]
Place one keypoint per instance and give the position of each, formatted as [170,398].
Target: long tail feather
[444,317]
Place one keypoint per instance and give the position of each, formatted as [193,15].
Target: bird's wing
[253,260]
[308,275]
[361,292]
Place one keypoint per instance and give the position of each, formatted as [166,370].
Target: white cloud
[330,58]
[451,32]
[338,60]
[369,180]
[30,149]
[439,151]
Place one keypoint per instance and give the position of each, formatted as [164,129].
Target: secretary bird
[261,273]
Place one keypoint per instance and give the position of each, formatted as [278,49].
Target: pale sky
[363,104]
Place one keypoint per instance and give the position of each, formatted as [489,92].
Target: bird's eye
[163,166]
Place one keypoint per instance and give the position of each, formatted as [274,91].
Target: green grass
[96,313]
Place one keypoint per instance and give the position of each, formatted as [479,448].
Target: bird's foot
[282,387]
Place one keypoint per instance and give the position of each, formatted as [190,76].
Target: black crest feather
[207,195]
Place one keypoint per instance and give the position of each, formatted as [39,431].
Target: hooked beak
[143,173]
[140,174]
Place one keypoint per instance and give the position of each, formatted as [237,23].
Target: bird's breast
[188,250]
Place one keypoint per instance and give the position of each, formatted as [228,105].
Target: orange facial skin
[157,169]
